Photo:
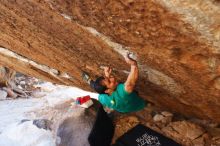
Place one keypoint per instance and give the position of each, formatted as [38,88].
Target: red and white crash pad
[84,101]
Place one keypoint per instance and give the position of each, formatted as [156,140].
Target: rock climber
[118,96]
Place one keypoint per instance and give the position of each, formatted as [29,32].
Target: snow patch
[59,93]
[26,134]
[13,111]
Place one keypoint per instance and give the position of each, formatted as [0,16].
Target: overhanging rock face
[176,44]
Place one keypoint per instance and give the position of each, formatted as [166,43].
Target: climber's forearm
[132,78]
[107,71]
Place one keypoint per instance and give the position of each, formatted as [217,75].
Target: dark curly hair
[97,86]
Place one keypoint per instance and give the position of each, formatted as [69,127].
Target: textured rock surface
[177,48]
[186,129]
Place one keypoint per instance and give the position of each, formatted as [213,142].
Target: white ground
[12,133]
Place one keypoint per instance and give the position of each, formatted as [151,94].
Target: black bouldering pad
[141,135]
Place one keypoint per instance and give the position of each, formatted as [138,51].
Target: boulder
[176,44]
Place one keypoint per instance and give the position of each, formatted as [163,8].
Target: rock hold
[164,118]
[43,123]
[167,114]
[216,140]
[184,130]
[158,118]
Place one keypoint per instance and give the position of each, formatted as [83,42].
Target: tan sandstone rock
[187,129]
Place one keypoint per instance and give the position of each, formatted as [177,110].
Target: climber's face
[111,83]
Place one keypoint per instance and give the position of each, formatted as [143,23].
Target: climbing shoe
[86,77]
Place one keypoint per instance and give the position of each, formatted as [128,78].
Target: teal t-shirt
[122,101]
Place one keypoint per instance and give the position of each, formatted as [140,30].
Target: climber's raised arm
[107,71]
[133,75]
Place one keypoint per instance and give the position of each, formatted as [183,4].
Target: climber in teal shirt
[121,100]
[119,96]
